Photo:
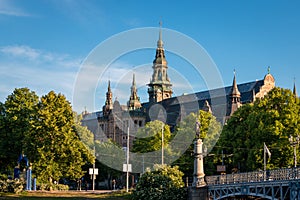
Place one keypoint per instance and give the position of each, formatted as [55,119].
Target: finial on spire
[160,42]
[269,69]
[133,79]
[235,90]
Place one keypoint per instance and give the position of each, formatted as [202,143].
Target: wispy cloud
[20,51]
[38,56]
[39,70]
[8,8]
[84,85]
[92,81]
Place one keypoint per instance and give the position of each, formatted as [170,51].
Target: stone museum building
[114,120]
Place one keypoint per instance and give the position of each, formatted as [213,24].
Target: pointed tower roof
[108,102]
[160,52]
[160,86]
[108,87]
[134,100]
[294,89]
[235,91]
[160,43]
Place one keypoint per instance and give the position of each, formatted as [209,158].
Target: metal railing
[256,176]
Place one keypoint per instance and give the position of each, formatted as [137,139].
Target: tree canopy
[209,131]
[271,120]
[45,131]
[149,137]
[16,119]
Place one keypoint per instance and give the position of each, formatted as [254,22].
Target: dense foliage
[45,131]
[149,137]
[9,185]
[164,183]
[16,121]
[273,120]
[209,130]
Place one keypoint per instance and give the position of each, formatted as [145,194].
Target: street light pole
[295,156]
[162,144]
[127,160]
[94,170]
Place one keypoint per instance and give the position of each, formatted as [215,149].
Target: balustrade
[256,176]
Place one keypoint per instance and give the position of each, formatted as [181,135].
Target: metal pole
[143,164]
[127,160]
[162,144]
[222,158]
[265,175]
[94,170]
[264,157]
[295,156]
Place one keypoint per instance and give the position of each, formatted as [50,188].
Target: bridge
[274,184]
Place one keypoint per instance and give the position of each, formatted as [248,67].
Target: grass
[66,195]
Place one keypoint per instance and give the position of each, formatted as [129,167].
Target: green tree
[149,137]
[16,119]
[110,157]
[163,183]
[272,119]
[53,146]
[84,134]
[209,129]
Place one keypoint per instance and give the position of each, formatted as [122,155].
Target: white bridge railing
[256,176]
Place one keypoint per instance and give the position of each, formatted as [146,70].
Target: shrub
[13,186]
[52,187]
[164,183]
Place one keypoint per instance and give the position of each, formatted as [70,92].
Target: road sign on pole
[125,168]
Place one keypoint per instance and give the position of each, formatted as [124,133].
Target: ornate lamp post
[198,180]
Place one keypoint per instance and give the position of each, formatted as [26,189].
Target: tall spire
[160,87]
[235,91]
[235,97]
[108,87]
[109,101]
[294,89]
[160,43]
[134,101]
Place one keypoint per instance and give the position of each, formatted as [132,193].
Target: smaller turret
[108,102]
[235,97]
[294,89]
[134,101]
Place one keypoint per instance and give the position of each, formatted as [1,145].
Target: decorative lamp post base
[198,164]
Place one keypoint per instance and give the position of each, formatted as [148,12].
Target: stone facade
[114,119]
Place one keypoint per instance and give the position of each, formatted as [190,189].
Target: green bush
[52,187]
[3,185]
[164,183]
[13,186]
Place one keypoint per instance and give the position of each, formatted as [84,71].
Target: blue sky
[44,43]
